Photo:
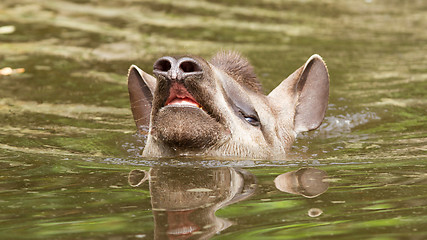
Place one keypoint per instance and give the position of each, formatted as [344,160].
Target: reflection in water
[307,182]
[315,212]
[184,200]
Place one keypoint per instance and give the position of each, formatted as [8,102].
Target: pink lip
[178,95]
[179,224]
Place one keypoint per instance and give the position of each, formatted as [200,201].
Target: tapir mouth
[180,97]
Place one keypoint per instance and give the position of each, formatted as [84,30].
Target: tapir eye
[252,120]
[247,112]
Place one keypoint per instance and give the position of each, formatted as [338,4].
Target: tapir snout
[217,108]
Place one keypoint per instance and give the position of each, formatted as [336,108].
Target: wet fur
[228,80]
[186,128]
[238,68]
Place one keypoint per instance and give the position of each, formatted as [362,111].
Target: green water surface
[70,158]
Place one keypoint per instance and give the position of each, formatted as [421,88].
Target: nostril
[190,67]
[162,65]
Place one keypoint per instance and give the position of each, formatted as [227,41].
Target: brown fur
[186,128]
[238,68]
[235,118]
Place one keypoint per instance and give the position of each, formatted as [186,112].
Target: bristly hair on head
[239,68]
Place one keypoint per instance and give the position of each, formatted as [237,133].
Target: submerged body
[217,108]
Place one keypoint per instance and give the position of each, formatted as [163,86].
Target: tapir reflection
[307,182]
[184,200]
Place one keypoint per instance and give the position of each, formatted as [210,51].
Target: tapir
[217,108]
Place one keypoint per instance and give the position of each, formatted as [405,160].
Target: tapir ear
[308,91]
[141,87]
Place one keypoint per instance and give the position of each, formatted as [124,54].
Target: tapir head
[217,108]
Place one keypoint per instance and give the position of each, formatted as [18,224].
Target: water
[69,155]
